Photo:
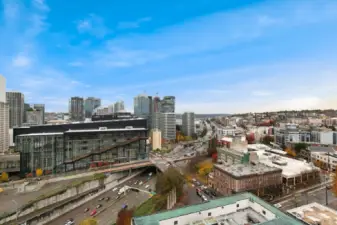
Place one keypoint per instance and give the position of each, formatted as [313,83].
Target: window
[264,212]
[237,205]
[176,222]
[209,214]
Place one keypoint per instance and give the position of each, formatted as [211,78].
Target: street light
[17,209]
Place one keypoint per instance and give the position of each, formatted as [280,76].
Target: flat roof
[104,130]
[315,213]
[290,167]
[239,170]
[40,134]
[154,219]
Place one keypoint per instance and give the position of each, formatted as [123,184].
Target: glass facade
[74,150]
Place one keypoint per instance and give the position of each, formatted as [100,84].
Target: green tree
[168,180]
[89,222]
[267,139]
[299,146]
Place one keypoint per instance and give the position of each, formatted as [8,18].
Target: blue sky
[214,56]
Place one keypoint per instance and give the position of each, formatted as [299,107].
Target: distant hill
[201,116]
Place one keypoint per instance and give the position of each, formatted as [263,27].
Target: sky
[215,56]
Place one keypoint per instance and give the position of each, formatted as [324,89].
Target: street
[108,212]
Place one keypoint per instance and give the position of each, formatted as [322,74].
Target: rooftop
[315,213]
[244,208]
[40,134]
[321,149]
[290,167]
[239,170]
[104,130]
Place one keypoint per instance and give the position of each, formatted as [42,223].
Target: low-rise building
[156,139]
[315,213]
[257,178]
[244,208]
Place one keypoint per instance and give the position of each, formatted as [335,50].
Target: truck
[123,189]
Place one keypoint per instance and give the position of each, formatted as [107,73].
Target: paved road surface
[111,207]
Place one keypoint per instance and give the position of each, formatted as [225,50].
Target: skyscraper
[188,126]
[15,101]
[4,117]
[119,106]
[76,109]
[40,108]
[142,108]
[90,104]
[168,126]
[167,104]
[155,111]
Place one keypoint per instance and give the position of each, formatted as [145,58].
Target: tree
[4,176]
[267,139]
[170,179]
[124,217]
[290,152]
[299,146]
[89,222]
[39,172]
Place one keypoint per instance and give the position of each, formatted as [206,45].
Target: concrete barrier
[109,182]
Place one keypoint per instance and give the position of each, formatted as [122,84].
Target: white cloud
[21,61]
[76,64]
[93,25]
[133,24]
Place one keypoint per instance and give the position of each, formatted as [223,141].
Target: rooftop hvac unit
[102,128]
[128,127]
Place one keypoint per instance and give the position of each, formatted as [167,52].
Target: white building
[167,126]
[188,123]
[244,208]
[224,131]
[119,106]
[156,139]
[4,117]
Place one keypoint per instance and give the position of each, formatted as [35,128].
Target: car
[147,186]
[107,199]
[70,222]
[140,183]
[118,197]
[86,210]
[136,182]
[98,206]
[208,192]
[115,189]
[100,199]
[278,205]
[93,212]
[204,198]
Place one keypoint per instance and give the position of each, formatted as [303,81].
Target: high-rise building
[15,101]
[142,108]
[26,107]
[156,139]
[156,104]
[168,126]
[90,104]
[40,108]
[167,104]
[155,113]
[4,117]
[188,126]
[34,117]
[76,109]
[118,106]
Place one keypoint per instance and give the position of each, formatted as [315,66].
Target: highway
[107,214]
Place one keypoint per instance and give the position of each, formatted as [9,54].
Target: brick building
[260,179]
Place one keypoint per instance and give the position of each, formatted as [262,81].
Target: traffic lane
[132,199]
[78,213]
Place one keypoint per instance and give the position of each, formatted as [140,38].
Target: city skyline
[215,58]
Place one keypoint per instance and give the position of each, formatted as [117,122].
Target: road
[108,212]
[318,196]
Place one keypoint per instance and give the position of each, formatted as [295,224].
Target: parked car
[115,189]
[93,212]
[86,210]
[98,206]
[147,186]
[107,199]
[100,199]
[140,183]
